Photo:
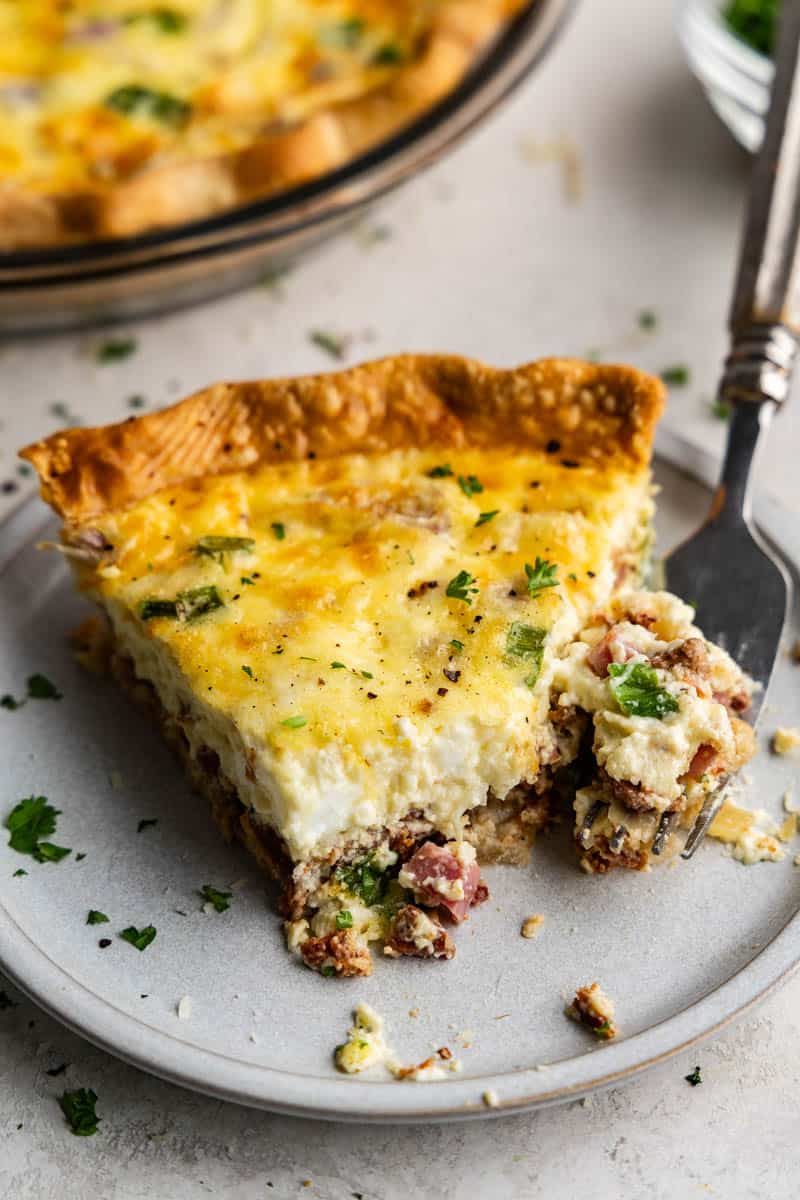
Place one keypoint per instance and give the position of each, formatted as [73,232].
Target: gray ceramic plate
[682,950]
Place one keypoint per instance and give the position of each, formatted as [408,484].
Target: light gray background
[491,254]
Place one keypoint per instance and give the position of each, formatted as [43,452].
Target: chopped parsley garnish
[294,722]
[79,1109]
[695,1078]
[441,472]
[344,919]
[186,606]
[647,319]
[328,971]
[677,376]
[337,666]
[486,517]
[456,645]
[279,529]
[462,587]
[470,485]
[30,821]
[219,548]
[95,917]
[249,672]
[246,581]
[134,100]
[47,852]
[604,1031]
[145,823]
[167,20]
[19,871]
[527,642]
[140,938]
[344,35]
[332,343]
[637,691]
[754,21]
[387,55]
[219,900]
[364,880]
[39,688]
[114,349]
[541,575]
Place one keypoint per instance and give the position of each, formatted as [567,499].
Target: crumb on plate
[594,1009]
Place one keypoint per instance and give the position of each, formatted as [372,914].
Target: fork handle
[765,315]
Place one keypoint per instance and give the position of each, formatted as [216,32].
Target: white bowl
[736,79]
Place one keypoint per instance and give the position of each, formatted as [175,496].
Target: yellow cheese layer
[339,682]
[91,91]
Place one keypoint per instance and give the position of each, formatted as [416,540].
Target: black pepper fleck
[553,446]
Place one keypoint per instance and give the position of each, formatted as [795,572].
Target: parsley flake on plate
[333,344]
[486,517]
[248,672]
[695,1078]
[470,485]
[637,691]
[441,472]
[647,320]
[140,938]
[95,917]
[28,823]
[677,376]
[79,1109]
[220,901]
[19,871]
[39,687]
[115,349]
[540,576]
[462,587]
[344,919]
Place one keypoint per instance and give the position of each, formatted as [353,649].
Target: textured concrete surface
[658,1138]
[493,253]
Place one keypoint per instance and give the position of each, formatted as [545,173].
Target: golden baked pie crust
[570,408]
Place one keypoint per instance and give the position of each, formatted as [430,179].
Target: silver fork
[740,589]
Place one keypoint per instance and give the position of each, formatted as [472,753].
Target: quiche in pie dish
[127,115]
[392,620]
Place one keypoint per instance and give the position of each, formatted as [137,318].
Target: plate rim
[50,985]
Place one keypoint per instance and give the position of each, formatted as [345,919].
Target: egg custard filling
[392,621]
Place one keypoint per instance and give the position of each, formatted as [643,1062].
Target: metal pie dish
[101,281]
[682,952]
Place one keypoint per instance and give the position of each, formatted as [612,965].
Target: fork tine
[665,826]
[711,806]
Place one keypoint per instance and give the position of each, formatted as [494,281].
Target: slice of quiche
[389,619]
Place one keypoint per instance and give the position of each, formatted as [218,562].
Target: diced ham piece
[703,758]
[443,876]
[610,648]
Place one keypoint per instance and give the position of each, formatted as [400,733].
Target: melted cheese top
[91,92]
[339,682]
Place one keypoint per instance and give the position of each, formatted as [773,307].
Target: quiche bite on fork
[392,620]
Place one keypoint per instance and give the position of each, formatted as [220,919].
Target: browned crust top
[573,409]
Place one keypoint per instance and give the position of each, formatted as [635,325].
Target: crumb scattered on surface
[566,154]
[751,834]
[184,1008]
[592,1008]
[413,1012]
[491,1098]
[785,740]
[365,1046]
[789,805]
[531,925]
[788,829]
